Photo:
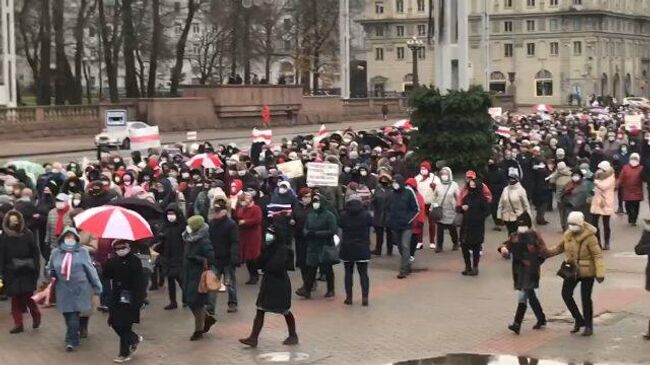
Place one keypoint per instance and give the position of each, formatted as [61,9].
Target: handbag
[568,270]
[458,220]
[209,281]
[437,212]
[330,255]
[23,264]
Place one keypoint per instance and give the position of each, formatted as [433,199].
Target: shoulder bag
[209,281]
[436,212]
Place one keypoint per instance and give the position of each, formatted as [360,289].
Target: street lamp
[415,44]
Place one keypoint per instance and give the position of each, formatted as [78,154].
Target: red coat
[418,222]
[631,181]
[250,232]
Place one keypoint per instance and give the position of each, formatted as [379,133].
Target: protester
[575,196]
[513,203]
[583,254]
[19,269]
[57,219]
[298,219]
[631,181]
[527,249]
[560,178]
[417,226]
[643,249]
[171,249]
[445,200]
[355,225]
[426,185]
[475,208]
[224,236]
[602,203]
[249,218]
[124,270]
[379,206]
[402,211]
[75,276]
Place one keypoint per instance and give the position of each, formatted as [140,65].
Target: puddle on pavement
[282,357]
[475,359]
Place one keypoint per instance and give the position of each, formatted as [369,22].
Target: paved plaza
[435,311]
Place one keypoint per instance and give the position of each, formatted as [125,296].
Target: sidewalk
[46,146]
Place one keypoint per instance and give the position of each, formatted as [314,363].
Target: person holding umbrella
[75,276]
[124,270]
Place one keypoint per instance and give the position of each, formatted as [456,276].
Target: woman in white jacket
[513,203]
[602,204]
[445,196]
[427,181]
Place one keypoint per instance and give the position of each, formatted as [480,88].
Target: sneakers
[16,330]
[122,359]
[432,246]
[411,259]
[134,348]
[291,341]
[419,246]
[222,288]
[171,306]
[69,348]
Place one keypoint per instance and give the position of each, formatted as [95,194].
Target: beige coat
[582,249]
[513,203]
[603,201]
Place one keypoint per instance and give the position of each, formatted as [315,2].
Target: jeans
[586,288]
[607,230]
[72,328]
[453,232]
[362,268]
[528,296]
[403,238]
[128,338]
[632,208]
[229,278]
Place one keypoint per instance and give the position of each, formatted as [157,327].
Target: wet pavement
[478,359]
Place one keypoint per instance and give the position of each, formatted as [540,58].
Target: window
[530,25]
[530,3]
[400,53]
[507,3]
[422,30]
[554,2]
[422,53]
[196,28]
[379,31]
[420,5]
[498,82]
[577,2]
[379,54]
[530,49]
[177,6]
[507,26]
[544,83]
[399,6]
[554,48]
[379,7]
[577,48]
[400,31]
[554,25]
[507,50]
[195,49]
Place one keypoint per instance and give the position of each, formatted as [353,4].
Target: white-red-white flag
[262,135]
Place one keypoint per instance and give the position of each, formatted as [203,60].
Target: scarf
[60,213]
[66,266]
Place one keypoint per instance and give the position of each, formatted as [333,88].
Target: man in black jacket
[224,235]
[402,210]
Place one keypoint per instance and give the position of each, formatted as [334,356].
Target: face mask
[575,178]
[444,178]
[282,190]
[60,205]
[122,252]
[424,172]
[393,159]
[189,229]
[522,229]
[363,173]
[347,169]
[396,186]
[241,173]
[269,237]
[574,228]
[584,172]
[512,182]
[634,163]
[69,242]
[171,218]
[623,150]
[316,206]
[306,201]
[472,184]
[232,172]
[76,202]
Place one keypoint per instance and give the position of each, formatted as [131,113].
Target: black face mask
[513,182]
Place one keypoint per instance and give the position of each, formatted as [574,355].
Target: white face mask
[241,173]
[424,172]
[316,206]
[76,202]
[122,252]
[171,218]
[363,173]
[268,238]
[575,178]
[347,169]
[60,205]
[396,186]
[69,242]
[444,178]
[282,190]
[575,228]
[522,229]
[584,172]
[634,163]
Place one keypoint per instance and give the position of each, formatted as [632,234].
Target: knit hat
[635,156]
[605,166]
[470,174]
[304,192]
[425,165]
[195,222]
[576,218]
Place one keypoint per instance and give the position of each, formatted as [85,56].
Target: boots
[647,335]
[291,326]
[468,263]
[258,323]
[519,317]
[83,327]
[539,314]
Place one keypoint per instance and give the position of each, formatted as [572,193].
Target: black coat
[275,290]
[198,253]
[643,248]
[472,232]
[299,215]
[171,247]
[19,246]
[126,276]
[527,251]
[355,223]
[224,235]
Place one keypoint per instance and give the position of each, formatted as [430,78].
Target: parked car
[118,136]
[635,101]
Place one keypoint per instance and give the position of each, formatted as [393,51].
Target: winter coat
[560,178]
[631,181]
[319,230]
[279,213]
[542,190]
[379,205]
[21,245]
[299,215]
[528,251]
[90,200]
[513,203]
[603,202]
[127,280]
[402,207]
[496,182]
[355,224]
[446,196]
[74,295]
[224,236]
[199,253]
[424,186]
[275,290]
[582,249]
[171,246]
[462,193]
[472,232]
[643,248]
[250,232]
[51,238]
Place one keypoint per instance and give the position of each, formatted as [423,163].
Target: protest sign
[291,169]
[322,174]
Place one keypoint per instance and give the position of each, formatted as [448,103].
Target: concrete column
[451,45]
[344,35]
[8,96]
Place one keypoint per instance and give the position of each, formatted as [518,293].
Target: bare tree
[208,61]
[156,38]
[192,7]
[130,45]
[44,90]
[110,34]
[84,12]
[28,18]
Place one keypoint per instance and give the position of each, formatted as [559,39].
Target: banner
[291,169]
[504,132]
[633,122]
[495,112]
[262,135]
[144,138]
[322,174]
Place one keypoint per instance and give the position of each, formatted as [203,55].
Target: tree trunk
[64,83]
[108,54]
[247,46]
[79,46]
[316,71]
[234,37]
[130,42]
[29,45]
[180,48]
[268,50]
[155,49]
[44,92]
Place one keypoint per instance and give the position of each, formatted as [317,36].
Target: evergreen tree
[455,127]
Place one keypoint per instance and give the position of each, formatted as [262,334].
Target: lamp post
[415,44]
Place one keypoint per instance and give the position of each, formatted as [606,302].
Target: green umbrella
[32,169]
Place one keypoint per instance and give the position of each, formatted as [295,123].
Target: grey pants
[228,276]
[403,239]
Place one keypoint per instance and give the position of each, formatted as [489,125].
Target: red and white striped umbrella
[543,108]
[113,222]
[205,160]
[403,124]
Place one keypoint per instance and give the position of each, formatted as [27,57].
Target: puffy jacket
[582,249]
[402,207]
[424,186]
[513,203]
[631,180]
[603,201]
[446,196]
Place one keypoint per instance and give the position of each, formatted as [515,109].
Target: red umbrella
[113,222]
[543,108]
[205,160]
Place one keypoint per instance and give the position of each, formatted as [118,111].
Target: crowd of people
[247,211]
